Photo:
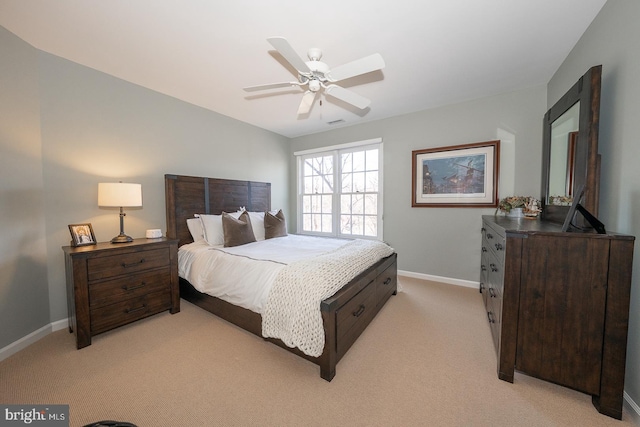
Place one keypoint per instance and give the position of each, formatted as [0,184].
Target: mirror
[570,149]
[564,136]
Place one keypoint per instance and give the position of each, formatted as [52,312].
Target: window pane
[358,181]
[306,222]
[347,183]
[372,159]
[345,204]
[371,204]
[371,181]
[345,224]
[356,225]
[327,204]
[346,162]
[357,204]
[371,226]
[327,165]
[306,204]
[308,168]
[317,184]
[327,184]
[316,204]
[327,224]
[358,161]
[308,185]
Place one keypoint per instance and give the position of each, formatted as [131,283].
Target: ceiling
[437,52]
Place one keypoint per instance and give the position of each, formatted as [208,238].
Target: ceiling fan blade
[355,68]
[347,96]
[307,101]
[282,45]
[270,86]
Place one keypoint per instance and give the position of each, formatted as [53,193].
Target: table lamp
[120,195]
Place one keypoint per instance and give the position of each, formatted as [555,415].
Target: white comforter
[243,275]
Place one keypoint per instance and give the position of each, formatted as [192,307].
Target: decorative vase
[516,213]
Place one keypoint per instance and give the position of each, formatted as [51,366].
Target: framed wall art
[457,176]
[82,234]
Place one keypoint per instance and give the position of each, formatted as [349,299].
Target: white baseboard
[34,336]
[633,408]
[448,280]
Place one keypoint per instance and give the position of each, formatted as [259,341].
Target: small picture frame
[82,234]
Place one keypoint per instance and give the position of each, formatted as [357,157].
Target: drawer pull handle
[133,264]
[484,249]
[360,311]
[482,230]
[493,267]
[133,310]
[133,288]
[492,293]
[498,246]
[490,317]
[481,287]
[483,268]
[386,282]
[489,236]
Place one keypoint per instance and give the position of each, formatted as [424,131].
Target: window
[339,192]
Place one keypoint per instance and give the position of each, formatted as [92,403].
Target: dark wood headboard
[186,196]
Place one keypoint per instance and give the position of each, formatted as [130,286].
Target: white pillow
[195,228]
[257,223]
[212,225]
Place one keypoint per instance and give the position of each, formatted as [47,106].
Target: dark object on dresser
[112,285]
[345,314]
[558,305]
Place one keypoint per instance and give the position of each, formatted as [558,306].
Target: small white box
[154,234]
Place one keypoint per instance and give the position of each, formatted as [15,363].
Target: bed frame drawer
[386,285]
[353,317]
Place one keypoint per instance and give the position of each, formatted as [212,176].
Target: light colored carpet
[427,359]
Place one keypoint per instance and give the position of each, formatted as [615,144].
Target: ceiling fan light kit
[317,75]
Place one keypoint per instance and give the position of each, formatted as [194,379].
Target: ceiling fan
[315,75]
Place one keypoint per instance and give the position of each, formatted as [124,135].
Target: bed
[345,314]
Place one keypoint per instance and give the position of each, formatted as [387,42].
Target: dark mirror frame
[586,170]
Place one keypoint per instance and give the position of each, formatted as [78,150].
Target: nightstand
[110,285]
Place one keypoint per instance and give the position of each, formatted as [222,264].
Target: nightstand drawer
[112,291]
[133,262]
[114,315]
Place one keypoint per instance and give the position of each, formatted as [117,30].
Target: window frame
[336,151]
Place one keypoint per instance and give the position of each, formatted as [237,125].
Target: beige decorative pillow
[274,225]
[237,231]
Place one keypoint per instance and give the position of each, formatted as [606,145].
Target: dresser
[558,305]
[110,285]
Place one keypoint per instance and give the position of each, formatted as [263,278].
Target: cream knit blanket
[292,312]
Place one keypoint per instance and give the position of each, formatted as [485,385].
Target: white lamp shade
[119,194]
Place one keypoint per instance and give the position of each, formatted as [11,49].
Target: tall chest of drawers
[110,285]
[558,305]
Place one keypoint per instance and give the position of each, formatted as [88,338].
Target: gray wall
[24,295]
[63,129]
[612,40]
[444,241]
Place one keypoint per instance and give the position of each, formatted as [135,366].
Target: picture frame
[82,234]
[456,176]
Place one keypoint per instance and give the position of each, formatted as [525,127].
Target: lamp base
[122,238]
